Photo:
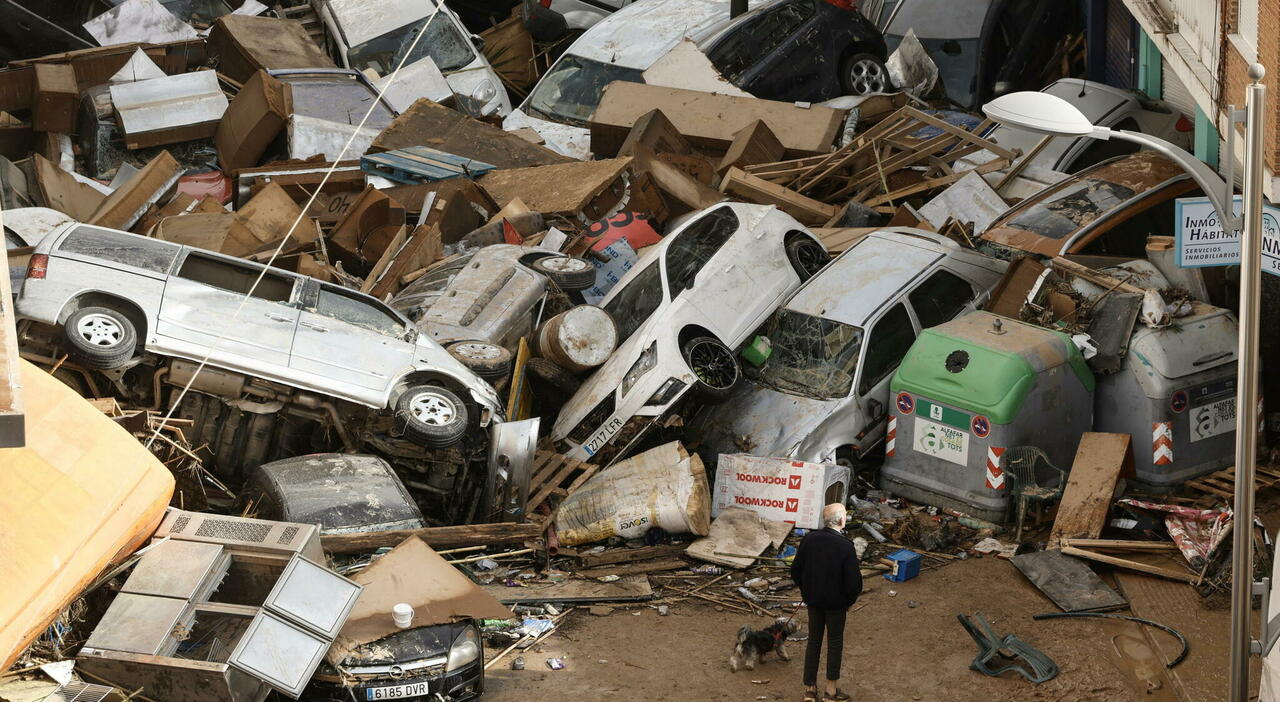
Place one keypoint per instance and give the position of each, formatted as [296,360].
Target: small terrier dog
[753,645]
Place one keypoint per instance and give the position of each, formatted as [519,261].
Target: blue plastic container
[906,565]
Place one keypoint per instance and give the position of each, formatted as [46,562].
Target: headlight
[648,359]
[667,392]
[484,92]
[465,649]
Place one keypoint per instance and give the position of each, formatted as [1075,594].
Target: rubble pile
[569,323]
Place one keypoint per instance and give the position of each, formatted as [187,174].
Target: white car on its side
[681,312]
[375,34]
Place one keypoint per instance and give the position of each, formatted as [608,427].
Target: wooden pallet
[556,473]
[306,15]
[1222,484]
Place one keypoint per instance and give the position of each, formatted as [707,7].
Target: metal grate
[287,535]
[253,532]
[596,417]
[180,523]
[82,692]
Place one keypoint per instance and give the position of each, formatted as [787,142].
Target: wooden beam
[1131,565]
[754,189]
[1121,545]
[932,183]
[636,568]
[12,417]
[436,537]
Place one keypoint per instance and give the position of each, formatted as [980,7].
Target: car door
[704,273]
[352,340]
[231,310]
[776,54]
[941,297]
[887,342]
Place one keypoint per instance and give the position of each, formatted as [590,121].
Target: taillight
[545,3]
[37,266]
[844,4]
[1184,124]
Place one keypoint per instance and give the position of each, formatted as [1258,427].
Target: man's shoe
[838,696]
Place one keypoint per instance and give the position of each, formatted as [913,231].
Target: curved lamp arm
[1214,186]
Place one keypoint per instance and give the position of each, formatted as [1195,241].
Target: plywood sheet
[1090,484]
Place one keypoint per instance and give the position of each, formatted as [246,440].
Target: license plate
[396,692]
[1213,419]
[941,441]
[601,437]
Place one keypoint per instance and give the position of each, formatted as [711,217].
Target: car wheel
[570,273]
[431,416]
[489,361]
[553,375]
[807,256]
[863,74]
[714,366]
[100,337]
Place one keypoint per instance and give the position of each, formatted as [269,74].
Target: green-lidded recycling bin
[968,390]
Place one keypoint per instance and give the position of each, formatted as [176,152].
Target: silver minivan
[821,393]
[116,295]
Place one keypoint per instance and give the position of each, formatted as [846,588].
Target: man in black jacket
[827,572]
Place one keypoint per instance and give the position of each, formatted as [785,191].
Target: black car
[358,493]
[801,50]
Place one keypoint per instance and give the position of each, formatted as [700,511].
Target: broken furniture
[993,660]
[212,604]
[1032,478]
[169,110]
[967,391]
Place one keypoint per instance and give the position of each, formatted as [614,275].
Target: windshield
[1070,209]
[571,91]
[442,42]
[812,356]
[201,12]
[640,295]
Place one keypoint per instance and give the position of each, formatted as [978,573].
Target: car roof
[859,281]
[953,19]
[1144,172]
[1101,104]
[362,20]
[643,32]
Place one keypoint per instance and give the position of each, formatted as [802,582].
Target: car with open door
[821,393]
[681,313]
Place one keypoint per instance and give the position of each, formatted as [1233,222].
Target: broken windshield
[639,296]
[571,91]
[812,356]
[1071,208]
[442,42]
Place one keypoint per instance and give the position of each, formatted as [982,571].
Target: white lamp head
[1040,113]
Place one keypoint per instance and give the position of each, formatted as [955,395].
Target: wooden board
[1161,571]
[565,188]
[630,588]
[837,239]
[743,185]
[436,537]
[1068,582]
[656,566]
[426,123]
[1083,511]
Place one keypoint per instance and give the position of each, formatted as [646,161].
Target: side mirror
[478,41]
[876,408]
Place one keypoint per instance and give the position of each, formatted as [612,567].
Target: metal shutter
[1175,93]
[1121,54]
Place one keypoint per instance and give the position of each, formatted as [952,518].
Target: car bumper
[459,686]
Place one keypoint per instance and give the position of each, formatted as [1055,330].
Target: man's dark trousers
[827,571]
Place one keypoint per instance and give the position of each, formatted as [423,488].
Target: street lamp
[1050,115]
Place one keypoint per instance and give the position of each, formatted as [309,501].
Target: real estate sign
[1202,242]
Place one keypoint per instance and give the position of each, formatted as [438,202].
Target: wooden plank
[545,491]
[12,407]
[628,555]
[436,537]
[636,568]
[547,468]
[1131,565]
[1117,544]
[631,588]
[964,134]
[588,470]
[755,189]
[932,183]
[1083,511]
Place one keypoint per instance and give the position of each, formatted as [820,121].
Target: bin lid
[1194,344]
[968,363]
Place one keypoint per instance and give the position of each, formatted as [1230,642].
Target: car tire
[553,375]
[714,366]
[863,74]
[570,273]
[489,361]
[100,337]
[432,416]
[807,256]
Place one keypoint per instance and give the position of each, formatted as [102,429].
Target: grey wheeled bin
[967,391]
[1175,395]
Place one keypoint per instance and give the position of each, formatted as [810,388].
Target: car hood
[574,142]
[405,646]
[762,421]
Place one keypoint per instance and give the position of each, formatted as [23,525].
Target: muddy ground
[893,651]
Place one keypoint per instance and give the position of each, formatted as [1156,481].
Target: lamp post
[1050,115]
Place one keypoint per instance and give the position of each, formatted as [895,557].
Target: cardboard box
[710,121]
[256,115]
[169,110]
[244,44]
[778,488]
[54,108]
